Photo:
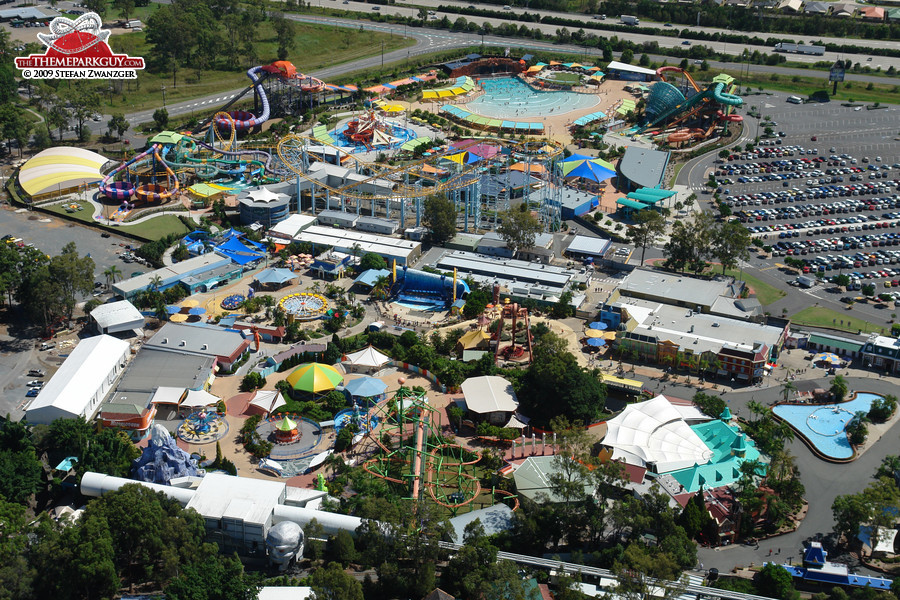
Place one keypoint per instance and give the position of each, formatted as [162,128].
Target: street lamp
[382,55]
[164,94]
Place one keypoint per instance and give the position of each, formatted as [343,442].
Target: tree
[112,274]
[73,275]
[839,388]
[97,6]
[456,413]
[370,260]
[476,301]
[161,116]
[775,582]
[519,228]
[648,224]
[215,578]
[125,7]
[724,153]
[285,33]
[333,583]
[627,56]
[730,243]
[712,406]
[689,243]
[440,218]
[342,549]
[119,124]
[787,390]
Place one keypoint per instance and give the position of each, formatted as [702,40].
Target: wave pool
[825,425]
[510,98]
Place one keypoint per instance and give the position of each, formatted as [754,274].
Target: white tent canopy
[885,540]
[489,394]
[267,400]
[168,395]
[654,433]
[367,358]
[199,399]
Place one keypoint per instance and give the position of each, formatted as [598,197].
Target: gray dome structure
[663,97]
[284,543]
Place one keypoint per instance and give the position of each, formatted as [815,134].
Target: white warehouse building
[81,383]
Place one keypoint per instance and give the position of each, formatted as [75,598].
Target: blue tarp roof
[365,387]
[275,276]
[370,276]
[238,252]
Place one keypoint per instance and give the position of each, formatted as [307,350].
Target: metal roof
[83,373]
[198,340]
[249,500]
[488,394]
[583,244]
[643,167]
[157,369]
[117,316]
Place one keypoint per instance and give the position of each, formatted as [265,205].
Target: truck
[805,282]
[799,49]
[629,20]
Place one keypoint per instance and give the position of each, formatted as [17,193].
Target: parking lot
[823,188]
[18,352]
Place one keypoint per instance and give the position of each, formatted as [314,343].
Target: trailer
[800,49]
[630,20]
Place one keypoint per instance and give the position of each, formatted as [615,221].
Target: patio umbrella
[596,342]
[178,318]
[172,309]
[314,378]
[829,357]
[197,310]
[593,333]
[189,304]
[599,325]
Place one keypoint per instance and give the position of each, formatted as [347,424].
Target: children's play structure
[681,111]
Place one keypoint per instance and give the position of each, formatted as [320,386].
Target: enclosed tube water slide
[262,153]
[246,120]
[122,190]
[679,109]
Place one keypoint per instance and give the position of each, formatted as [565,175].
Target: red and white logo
[78,50]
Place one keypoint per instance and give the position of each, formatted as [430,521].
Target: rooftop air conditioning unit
[204,347]
[182,343]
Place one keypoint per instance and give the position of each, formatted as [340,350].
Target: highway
[433,40]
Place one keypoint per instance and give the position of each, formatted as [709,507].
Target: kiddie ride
[513,312]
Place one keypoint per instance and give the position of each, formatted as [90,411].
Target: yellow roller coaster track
[548,151]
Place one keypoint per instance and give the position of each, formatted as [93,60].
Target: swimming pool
[509,98]
[824,424]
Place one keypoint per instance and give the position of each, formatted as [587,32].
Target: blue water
[343,417]
[509,98]
[824,424]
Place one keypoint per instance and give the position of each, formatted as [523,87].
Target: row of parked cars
[840,244]
[843,207]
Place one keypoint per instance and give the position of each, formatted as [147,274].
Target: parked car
[35,373]
[32,393]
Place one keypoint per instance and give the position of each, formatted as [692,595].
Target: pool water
[824,425]
[509,98]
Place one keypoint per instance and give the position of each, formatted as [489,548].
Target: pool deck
[556,126]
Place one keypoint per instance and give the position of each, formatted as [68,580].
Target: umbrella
[314,378]
[593,333]
[596,342]
[172,309]
[197,310]
[598,325]
[829,357]
[190,304]
[178,318]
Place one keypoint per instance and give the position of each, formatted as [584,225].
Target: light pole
[382,55]
[164,94]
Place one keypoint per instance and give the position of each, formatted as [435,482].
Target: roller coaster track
[575,568]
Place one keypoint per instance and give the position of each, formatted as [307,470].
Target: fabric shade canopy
[367,357]
[190,303]
[591,169]
[314,378]
[197,310]
[596,342]
[829,357]
[274,275]
[593,333]
[172,309]
[365,387]
[178,318]
[199,399]
[267,400]
[463,158]
[599,325]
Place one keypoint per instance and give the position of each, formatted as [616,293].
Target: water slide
[246,120]
[267,166]
[151,192]
[122,190]
[660,72]
[695,104]
[205,122]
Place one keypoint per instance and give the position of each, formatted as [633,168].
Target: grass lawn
[317,46]
[765,293]
[156,227]
[819,316]
[801,85]
[149,230]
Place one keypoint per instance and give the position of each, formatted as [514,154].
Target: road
[428,41]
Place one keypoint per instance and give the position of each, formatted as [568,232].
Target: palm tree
[112,274]
[381,287]
[787,389]
[756,408]
[155,282]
